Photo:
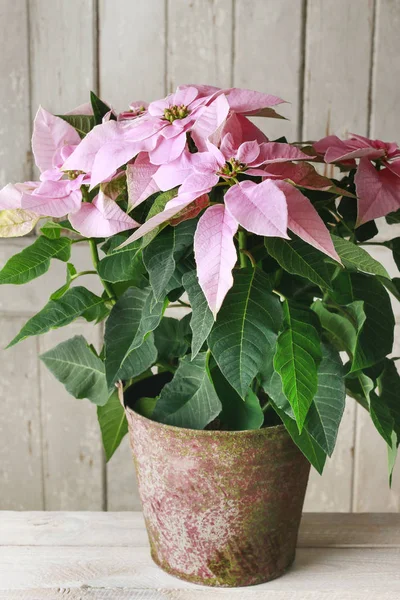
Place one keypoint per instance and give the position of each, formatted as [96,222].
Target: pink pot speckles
[222,508]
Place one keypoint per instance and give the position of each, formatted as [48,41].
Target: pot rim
[274,429]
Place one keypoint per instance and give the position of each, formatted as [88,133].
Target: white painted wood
[371,489]
[315,569]
[332,491]
[131,51]
[317,530]
[27,299]
[63,55]
[199,38]
[337,68]
[268,57]
[190,594]
[15,126]
[336,84]
[122,490]
[386,72]
[21,469]
[147,49]
[136,57]
[72,450]
[106,556]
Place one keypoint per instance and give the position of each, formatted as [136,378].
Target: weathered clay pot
[222,508]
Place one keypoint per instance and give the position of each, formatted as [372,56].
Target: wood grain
[106,556]
[63,55]
[114,567]
[15,128]
[72,449]
[199,42]
[317,530]
[131,59]
[265,61]
[21,468]
[337,67]
[92,593]
[385,95]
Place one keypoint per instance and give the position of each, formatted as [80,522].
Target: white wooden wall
[337,61]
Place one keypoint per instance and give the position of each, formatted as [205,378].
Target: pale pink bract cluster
[193,140]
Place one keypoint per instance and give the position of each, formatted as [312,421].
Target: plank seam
[166,47]
[233,42]
[41,428]
[302,70]
[372,67]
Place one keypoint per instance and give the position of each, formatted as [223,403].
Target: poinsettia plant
[186,202]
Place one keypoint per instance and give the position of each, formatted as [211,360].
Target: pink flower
[54,198]
[266,209]
[136,109]
[101,218]
[241,101]
[53,140]
[378,191]
[160,131]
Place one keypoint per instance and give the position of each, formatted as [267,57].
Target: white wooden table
[105,556]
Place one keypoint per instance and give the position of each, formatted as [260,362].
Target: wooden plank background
[337,62]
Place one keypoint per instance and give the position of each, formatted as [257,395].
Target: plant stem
[83,273]
[242,248]
[373,244]
[251,258]
[95,258]
[182,303]
[79,241]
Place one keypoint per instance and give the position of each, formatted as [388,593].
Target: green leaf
[100,109]
[82,123]
[245,332]
[71,271]
[311,450]
[161,256]
[122,264]
[299,258]
[113,424]
[393,285]
[132,318]
[297,356]
[356,258]
[157,207]
[190,399]
[375,337]
[392,455]
[76,302]
[51,230]
[79,369]
[17,222]
[34,260]
[237,414]
[145,407]
[381,417]
[272,384]
[359,386]
[341,330]
[394,245]
[170,339]
[389,386]
[393,218]
[326,411]
[202,319]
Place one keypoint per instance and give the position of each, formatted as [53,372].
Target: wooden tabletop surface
[105,556]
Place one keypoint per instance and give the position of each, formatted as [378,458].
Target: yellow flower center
[175,112]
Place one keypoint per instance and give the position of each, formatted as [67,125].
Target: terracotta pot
[222,508]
